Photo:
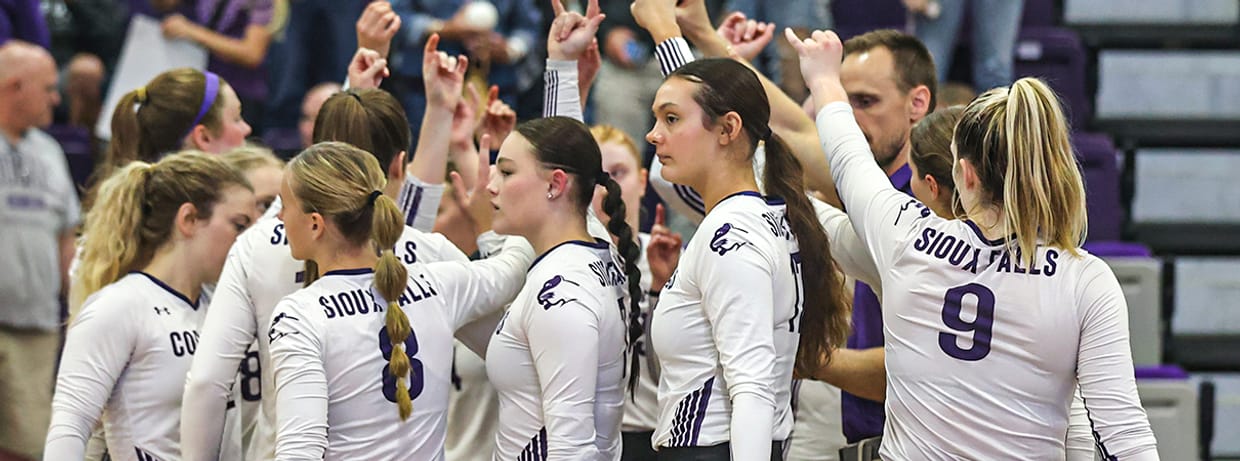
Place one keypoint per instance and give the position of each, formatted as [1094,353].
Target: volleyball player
[128,350]
[1015,261]
[260,270]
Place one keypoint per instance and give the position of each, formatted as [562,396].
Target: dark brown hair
[931,141]
[369,119]
[727,86]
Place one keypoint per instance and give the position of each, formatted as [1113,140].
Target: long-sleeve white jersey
[557,359]
[983,348]
[726,327]
[125,358]
[330,351]
[259,272]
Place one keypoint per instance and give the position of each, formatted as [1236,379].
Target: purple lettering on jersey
[547,295]
[411,252]
[278,237]
[26,202]
[948,248]
[980,326]
[608,273]
[924,242]
[721,244]
[183,342]
[1011,263]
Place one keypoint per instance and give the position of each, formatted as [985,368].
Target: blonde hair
[1018,140]
[604,134]
[137,209]
[342,183]
[248,158]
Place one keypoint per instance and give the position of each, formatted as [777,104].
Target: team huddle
[329,326]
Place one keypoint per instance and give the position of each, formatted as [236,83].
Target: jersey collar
[174,292]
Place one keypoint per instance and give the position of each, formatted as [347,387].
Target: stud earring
[548,195]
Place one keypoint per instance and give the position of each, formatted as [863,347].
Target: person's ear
[557,184]
[186,220]
[933,185]
[919,103]
[199,137]
[396,169]
[318,226]
[730,128]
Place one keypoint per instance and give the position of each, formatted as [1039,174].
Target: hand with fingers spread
[658,17]
[571,33]
[476,201]
[367,69]
[663,251]
[746,37]
[820,54]
[444,75]
[376,27]
[465,119]
[499,119]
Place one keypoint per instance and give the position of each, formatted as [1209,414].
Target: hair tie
[601,177]
[766,134]
[141,94]
[355,95]
[374,195]
[209,94]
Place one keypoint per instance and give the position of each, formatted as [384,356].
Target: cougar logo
[547,296]
[722,242]
[273,335]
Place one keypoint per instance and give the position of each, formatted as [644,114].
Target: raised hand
[663,251]
[571,33]
[465,118]
[376,27]
[499,119]
[820,54]
[367,69]
[692,17]
[746,37]
[444,75]
[476,201]
[587,68]
[656,16]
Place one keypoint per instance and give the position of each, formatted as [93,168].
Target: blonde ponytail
[119,214]
[391,279]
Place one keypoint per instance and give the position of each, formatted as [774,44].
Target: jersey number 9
[980,326]
[415,366]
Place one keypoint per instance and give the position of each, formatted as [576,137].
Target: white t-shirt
[258,273]
[330,350]
[984,349]
[726,327]
[125,358]
[557,359]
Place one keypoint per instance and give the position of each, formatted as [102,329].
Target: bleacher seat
[1141,279]
[1040,13]
[1170,400]
[1057,56]
[1097,155]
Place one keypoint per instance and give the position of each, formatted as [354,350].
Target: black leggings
[720,452]
[637,446]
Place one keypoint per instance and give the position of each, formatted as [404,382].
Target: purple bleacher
[856,17]
[76,142]
[1057,56]
[1040,13]
[1164,371]
[1115,249]
[1097,155]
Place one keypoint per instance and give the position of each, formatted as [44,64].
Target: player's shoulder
[569,272]
[749,222]
[131,293]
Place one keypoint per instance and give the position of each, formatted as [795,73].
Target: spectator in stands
[955,94]
[37,223]
[500,53]
[237,33]
[310,106]
[22,20]
[995,24]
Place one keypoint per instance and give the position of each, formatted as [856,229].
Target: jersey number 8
[980,326]
[415,366]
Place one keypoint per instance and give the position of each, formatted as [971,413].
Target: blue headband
[208,98]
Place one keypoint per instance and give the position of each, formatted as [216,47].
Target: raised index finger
[592,9]
[557,7]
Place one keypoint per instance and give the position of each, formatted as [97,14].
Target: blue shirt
[864,418]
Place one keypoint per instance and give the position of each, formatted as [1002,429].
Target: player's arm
[227,332]
[859,372]
[444,78]
[300,383]
[738,293]
[1104,367]
[567,40]
[564,342]
[479,288]
[1079,445]
[97,350]
[847,249]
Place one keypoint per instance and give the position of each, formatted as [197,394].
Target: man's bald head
[27,86]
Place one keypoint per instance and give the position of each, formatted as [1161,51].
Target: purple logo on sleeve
[273,335]
[547,296]
[722,244]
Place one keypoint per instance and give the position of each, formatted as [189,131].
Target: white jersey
[726,325]
[125,358]
[330,350]
[983,348]
[473,409]
[258,273]
[641,410]
[557,359]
